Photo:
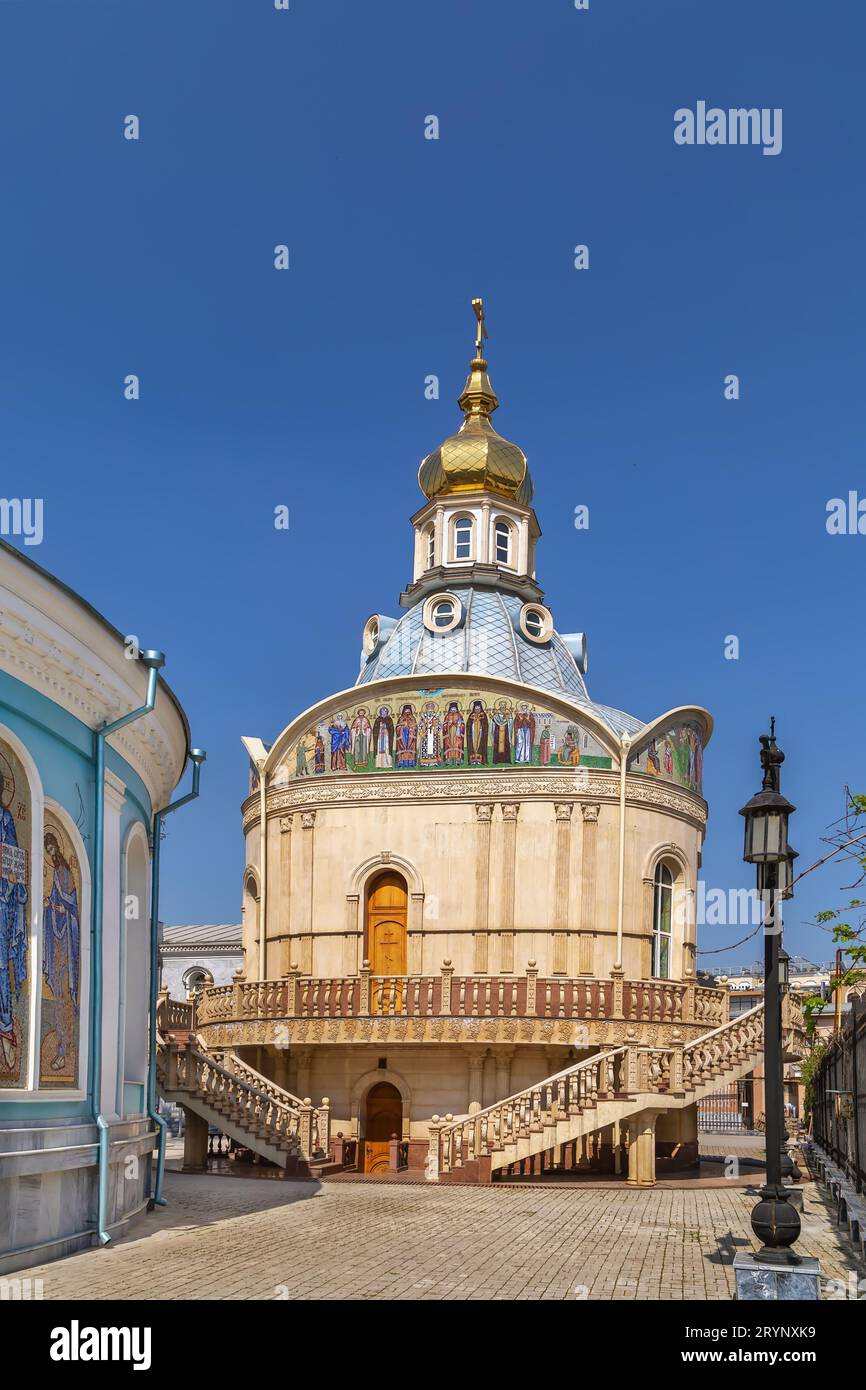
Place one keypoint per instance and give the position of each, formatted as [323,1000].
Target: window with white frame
[463,538]
[663,892]
[430,537]
[502,543]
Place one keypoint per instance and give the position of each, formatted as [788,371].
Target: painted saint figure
[429,736]
[569,753]
[477,725]
[545,743]
[524,734]
[340,737]
[13,935]
[362,735]
[502,733]
[319,753]
[652,758]
[453,734]
[302,767]
[407,737]
[383,738]
[62,939]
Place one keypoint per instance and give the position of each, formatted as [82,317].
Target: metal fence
[730,1110]
[838,1097]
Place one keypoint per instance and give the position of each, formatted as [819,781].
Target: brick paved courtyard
[239,1238]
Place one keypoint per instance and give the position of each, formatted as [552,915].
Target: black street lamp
[774,1220]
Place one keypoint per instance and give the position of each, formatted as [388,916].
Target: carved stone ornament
[530,785]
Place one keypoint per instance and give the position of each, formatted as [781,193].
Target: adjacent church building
[463,874]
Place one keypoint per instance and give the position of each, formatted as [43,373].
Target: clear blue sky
[306,387]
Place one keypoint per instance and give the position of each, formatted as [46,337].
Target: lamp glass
[766,837]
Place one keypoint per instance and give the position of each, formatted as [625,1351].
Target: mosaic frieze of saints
[442,729]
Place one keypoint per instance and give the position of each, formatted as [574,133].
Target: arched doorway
[387,900]
[383,1118]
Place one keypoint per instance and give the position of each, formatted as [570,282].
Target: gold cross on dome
[478,307]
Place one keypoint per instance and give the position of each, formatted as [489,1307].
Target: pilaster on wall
[561,882]
[416,933]
[305,945]
[510,811]
[646,950]
[282,926]
[483,816]
[588,925]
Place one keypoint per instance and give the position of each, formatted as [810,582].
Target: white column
[439,538]
[485,553]
[523,555]
[420,558]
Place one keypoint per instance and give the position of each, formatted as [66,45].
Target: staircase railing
[738,1038]
[320,1115]
[577,1088]
[611,1075]
[237,1091]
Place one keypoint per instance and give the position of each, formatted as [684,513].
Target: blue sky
[306,388]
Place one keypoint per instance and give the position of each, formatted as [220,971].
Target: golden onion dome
[476,457]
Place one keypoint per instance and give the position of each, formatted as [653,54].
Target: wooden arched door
[387,902]
[383,1118]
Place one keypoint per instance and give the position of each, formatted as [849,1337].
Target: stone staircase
[237,1100]
[628,1085]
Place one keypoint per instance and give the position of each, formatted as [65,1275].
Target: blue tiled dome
[489,642]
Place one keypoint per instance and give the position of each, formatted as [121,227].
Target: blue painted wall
[62,748]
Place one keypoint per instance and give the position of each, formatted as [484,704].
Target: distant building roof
[226,936]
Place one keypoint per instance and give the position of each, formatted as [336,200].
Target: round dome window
[442,613]
[536,622]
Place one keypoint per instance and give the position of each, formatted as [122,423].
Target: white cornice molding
[531,784]
[54,644]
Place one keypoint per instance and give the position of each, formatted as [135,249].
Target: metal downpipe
[197,757]
[153,660]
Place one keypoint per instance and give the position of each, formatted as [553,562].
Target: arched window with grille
[663,892]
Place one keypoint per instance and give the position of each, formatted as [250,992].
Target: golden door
[386,941]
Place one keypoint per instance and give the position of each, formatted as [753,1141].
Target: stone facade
[470,873]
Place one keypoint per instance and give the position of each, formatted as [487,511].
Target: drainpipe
[153,660]
[197,757]
[620,908]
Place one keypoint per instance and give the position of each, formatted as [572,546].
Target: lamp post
[774,1220]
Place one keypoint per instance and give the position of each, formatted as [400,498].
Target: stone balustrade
[173,1015]
[633,1076]
[581,1012]
[233,1090]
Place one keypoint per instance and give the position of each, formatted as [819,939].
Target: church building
[465,875]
